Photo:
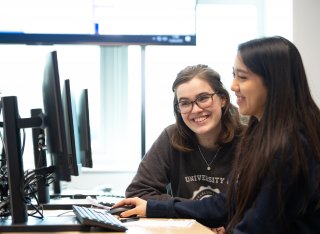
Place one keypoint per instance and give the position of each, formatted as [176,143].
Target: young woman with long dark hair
[274,186]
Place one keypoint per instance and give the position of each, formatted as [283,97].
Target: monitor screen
[71,126]
[54,118]
[84,129]
[164,22]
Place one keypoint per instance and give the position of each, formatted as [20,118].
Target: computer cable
[3,152]
[41,159]
[30,189]
[4,185]
[4,193]
[4,209]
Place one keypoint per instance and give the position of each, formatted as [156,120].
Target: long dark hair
[289,112]
[183,138]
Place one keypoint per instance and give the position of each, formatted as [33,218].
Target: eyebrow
[198,95]
[240,70]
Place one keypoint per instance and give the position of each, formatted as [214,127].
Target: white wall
[306,36]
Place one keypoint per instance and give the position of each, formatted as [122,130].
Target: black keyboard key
[91,217]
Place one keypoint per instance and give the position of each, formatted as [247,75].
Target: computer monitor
[84,129]
[55,130]
[71,126]
[99,22]
[52,124]
[51,120]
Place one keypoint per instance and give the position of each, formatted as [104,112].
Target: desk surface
[145,226]
[168,226]
[152,226]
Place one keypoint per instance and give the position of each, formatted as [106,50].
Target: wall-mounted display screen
[162,22]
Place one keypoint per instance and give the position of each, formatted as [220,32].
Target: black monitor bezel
[92,39]
[71,127]
[54,118]
[84,129]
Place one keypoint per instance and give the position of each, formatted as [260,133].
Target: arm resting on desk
[209,211]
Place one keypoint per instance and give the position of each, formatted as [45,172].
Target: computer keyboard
[91,217]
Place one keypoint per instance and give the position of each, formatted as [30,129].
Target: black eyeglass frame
[195,102]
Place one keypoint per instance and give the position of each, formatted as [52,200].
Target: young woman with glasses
[275,182]
[191,159]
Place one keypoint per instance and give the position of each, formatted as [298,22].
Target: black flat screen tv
[121,22]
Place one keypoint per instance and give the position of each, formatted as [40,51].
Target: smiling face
[204,122]
[249,88]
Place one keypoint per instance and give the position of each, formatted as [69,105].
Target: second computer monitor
[54,118]
[71,126]
[84,129]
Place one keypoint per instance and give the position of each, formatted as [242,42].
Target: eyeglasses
[203,101]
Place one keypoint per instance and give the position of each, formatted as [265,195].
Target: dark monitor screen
[84,129]
[71,126]
[54,118]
